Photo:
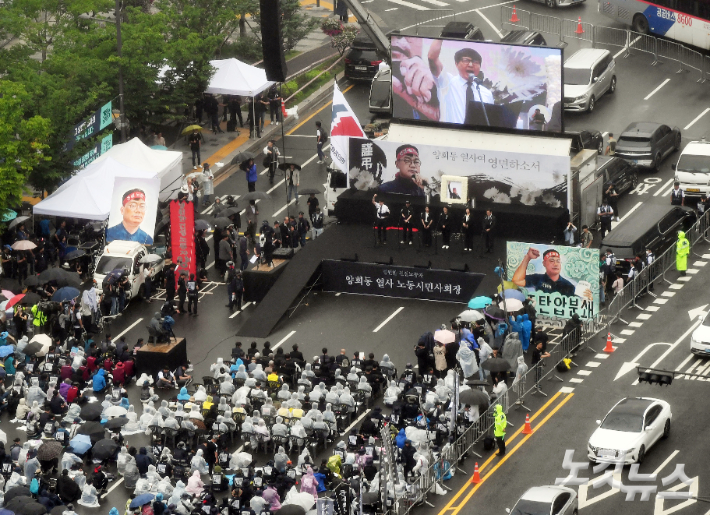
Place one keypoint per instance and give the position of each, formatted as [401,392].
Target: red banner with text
[182,231]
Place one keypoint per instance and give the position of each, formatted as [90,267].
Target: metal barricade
[570,30]
[433,18]
[670,51]
[609,36]
[643,43]
[506,18]
[546,24]
[694,61]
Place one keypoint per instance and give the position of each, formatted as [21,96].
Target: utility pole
[120,72]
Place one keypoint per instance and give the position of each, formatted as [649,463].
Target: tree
[22,142]
[295,24]
[341,35]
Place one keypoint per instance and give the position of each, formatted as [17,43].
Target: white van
[693,169]
[125,255]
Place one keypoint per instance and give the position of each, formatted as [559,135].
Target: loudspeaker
[458,267]
[424,264]
[350,259]
[272,41]
[383,262]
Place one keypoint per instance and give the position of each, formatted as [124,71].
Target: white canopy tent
[233,77]
[165,164]
[88,194]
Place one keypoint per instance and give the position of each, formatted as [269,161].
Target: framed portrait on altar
[454,189]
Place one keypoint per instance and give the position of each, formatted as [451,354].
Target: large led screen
[477,84]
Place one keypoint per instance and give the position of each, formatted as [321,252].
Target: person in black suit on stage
[445,227]
[468,230]
[489,224]
[382,214]
[407,222]
[427,221]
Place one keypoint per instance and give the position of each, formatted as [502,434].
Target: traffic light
[653,376]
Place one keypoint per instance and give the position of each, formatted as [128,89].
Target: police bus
[685,21]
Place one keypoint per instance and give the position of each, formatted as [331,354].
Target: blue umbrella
[159,147]
[5,351]
[7,512]
[80,444]
[514,294]
[479,302]
[65,293]
[8,215]
[141,500]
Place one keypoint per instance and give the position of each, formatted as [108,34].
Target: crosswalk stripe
[409,4]
[436,3]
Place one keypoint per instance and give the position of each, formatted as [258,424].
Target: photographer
[537,361]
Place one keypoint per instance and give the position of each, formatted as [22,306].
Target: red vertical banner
[182,233]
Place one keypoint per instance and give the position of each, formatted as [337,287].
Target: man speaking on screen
[407,180]
[133,208]
[549,282]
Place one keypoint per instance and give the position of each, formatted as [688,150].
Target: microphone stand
[480,100]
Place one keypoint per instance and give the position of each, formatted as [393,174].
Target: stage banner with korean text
[497,176]
[562,280]
[399,281]
[182,231]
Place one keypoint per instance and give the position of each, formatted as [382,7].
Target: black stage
[152,357]
[513,221]
[257,283]
[343,242]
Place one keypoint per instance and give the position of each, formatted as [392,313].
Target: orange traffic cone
[580,29]
[527,430]
[514,18]
[283,109]
[476,476]
[609,348]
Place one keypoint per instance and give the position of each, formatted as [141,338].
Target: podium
[151,358]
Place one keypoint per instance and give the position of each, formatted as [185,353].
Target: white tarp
[233,77]
[166,164]
[88,194]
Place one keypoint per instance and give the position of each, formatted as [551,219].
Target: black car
[592,140]
[524,37]
[619,172]
[462,30]
[646,144]
[362,60]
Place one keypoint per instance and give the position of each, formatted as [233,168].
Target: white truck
[126,255]
[693,169]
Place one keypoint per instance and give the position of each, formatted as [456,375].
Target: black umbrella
[10,285]
[287,166]
[474,397]
[49,450]
[308,191]
[24,505]
[230,211]
[32,280]
[254,195]
[496,365]
[63,277]
[57,510]
[222,222]
[115,423]
[91,411]
[32,348]
[495,312]
[241,157]
[30,299]
[104,449]
[74,254]
[17,491]
[291,509]
[201,225]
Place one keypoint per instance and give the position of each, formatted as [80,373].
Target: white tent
[88,193]
[166,164]
[234,77]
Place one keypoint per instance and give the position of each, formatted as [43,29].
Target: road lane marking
[500,34]
[113,487]
[410,5]
[283,340]
[388,319]
[244,306]
[455,14]
[127,329]
[657,89]
[347,430]
[276,185]
[666,462]
[696,119]
[616,55]
[492,457]
[436,3]
[511,452]
[392,9]
[662,188]
[280,210]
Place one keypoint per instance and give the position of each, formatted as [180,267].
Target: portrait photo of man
[454,189]
[407,180]
[549,282]
[133,210]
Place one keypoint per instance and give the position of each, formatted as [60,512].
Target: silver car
[552,500]
[588,74]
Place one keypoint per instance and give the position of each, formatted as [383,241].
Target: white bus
[685,21]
